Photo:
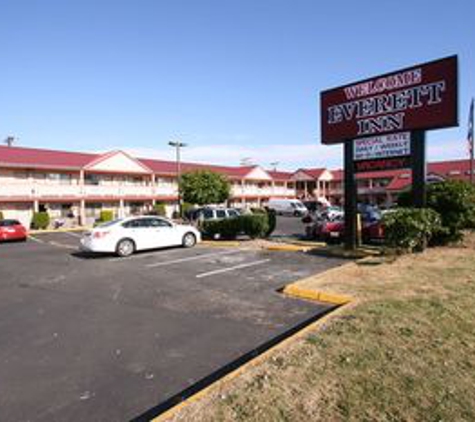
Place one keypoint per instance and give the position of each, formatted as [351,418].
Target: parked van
[287,207]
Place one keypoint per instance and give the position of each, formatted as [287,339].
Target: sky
[233,79]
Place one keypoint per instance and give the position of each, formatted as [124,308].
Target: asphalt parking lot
[99,338]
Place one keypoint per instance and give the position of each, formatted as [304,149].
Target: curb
[74,229]
[316,295]
[223,243]
[288,248]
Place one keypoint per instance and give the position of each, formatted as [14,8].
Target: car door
[162,233]
[137,230]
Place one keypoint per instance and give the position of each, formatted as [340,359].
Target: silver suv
[208,213]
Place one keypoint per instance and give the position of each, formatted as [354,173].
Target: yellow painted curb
[216,386]
[218,243]
[308,294]
[74,229]
[288,248]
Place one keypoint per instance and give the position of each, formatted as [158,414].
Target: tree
[204,187]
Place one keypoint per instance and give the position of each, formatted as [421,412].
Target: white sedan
[127,235]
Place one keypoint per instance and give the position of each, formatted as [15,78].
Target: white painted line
[35,239]
[73,234]
[61,245]
[236,267]
[192,258]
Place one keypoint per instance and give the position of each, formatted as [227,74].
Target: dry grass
[404,351]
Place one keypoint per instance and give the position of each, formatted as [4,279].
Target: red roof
[314,173]
[280,175]
[43,158]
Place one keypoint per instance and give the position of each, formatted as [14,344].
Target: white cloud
[289,156]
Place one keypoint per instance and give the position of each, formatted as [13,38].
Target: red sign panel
[417,98]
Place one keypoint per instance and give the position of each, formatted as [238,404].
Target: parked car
[125,236]
[287,207]
[332,230]
[12,230]
[213,213]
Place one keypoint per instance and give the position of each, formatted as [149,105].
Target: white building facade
[75,187]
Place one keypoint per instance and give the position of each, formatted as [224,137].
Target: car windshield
[7,223]
[109,223]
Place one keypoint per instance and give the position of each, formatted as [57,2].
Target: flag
[470,130]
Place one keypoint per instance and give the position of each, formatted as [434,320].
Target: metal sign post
[418,165]
[350,198]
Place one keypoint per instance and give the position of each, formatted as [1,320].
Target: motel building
[74,187]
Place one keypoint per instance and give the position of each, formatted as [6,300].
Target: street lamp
[177,145]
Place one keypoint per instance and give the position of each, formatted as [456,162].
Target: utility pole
[274,165]
[177,145]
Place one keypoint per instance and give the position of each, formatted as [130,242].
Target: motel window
[91,179]
[20,175]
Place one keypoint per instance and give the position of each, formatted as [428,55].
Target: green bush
[271,218]
[106,215]
[40,220]
[454,200]
[226,228]
[1,215]
[410,229]
[160,209]
[271,221]
[252,225]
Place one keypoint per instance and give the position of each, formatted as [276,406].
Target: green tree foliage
[203,187]
[40,220]
[409,229]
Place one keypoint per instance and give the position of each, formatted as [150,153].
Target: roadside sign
[385,152]
[420,97]
[382,122]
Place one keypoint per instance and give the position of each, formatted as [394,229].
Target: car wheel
[125,247]
[189,240]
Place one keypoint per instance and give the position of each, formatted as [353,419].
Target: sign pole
[418,148]
[350,197]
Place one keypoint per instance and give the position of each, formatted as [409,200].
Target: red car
[12,230]
[332,231]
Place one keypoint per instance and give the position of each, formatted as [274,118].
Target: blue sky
[233,79]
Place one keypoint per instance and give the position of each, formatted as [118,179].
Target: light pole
[177,145]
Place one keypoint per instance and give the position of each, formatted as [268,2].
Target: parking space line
[236,267]
[73,234]
[35,239]
[192,258]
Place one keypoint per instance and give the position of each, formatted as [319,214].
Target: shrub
[409,229]
[160,209]
[254,225]
[40,220]
[271,218]
[454,200]
[272,221]
[106,215]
